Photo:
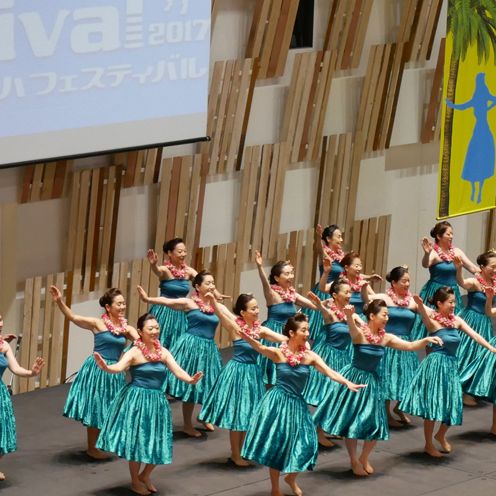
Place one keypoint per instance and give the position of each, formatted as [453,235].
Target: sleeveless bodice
[443,273]
[476,301]
[367,356]
[356,301]
[149,375]
[174,288]
[3,365]
[281,311]
[401,320]
[243,352]
[202,324]
[336,269]
[338,335]
[451,340]
[292,379]
[109,345]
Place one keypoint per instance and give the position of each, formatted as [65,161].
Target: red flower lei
[253,332]
[448,322]
[178,273]
[334,255]
[445,257]
[116,331]
[484,284]
[373,338]
[151,356]
[294,359]
[337,312]
[356,287]
[397,300]
[288,295]
[204,307]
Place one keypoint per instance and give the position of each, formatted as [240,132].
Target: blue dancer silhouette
[479,160]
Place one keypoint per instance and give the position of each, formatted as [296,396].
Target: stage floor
[50,461]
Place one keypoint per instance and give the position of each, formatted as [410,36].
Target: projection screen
[86,76]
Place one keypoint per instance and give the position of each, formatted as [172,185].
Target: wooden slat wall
[44,181]
[270,35]
[141,167]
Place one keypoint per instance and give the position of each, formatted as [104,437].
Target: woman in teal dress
[195,349]
[138,426]
[363,416]
[436,392]
[281,299]
[239,387]
[438,258]
[281,434]
[329,242]
[8,442]
[92,391]
[397,368]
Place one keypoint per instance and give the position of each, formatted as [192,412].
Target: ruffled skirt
[436,392]
[360,415]
[234,396]
[281,434]
[194,354]
[92,393]
[173,324]
[139,426]
[267,366]
[8,442]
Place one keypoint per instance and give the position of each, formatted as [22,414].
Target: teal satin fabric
[8,442]
[174,288]
[281,434]
[479,377]
[243,352]
[109,345]
[91,394]
[139,424]
[401,321]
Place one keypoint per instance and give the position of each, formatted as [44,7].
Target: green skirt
[436,392]
[315,319]
[234,396]
[173,324]
[139,426]
[281,434]
[360,415]
[267,366]
[8,442]
[92,393]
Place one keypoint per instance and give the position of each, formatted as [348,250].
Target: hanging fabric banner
[467,181]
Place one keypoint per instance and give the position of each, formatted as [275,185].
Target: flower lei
[2,342]
[373,338]
[204,307]
[484,284]
[445,256]
[448,322]
[334,255]
[177,272]
[151,356]
[398,300]
[337,312]
[252,332]
[294,359]
[116,331]
[288,295]
[356,287]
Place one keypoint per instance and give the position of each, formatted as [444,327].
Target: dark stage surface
[50,461]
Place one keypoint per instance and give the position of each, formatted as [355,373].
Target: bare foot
[324,441]
[367,466]
[469,400]
[140,488]
[357,469]
[446,447]
[431,451]
[2,476]
[403,417]
[97,454]
[208,426]
[394,423]
[240,462]
[276,493]
[192,432]
[291,482]
[148,484]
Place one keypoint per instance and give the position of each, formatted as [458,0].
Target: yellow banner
[467,181]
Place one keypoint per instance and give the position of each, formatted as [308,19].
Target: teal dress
[479,377]
[281,434]
[7,420]
[360,415]
[196,351]
[398,367]
[173,323]
[138,427]
[276,320]
[357,301]
[336,353]
[236,392]
[436,392]
[93,390]
[315,320]
[441,274]
[474,315]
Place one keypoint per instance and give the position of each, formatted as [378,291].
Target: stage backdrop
[467,156]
